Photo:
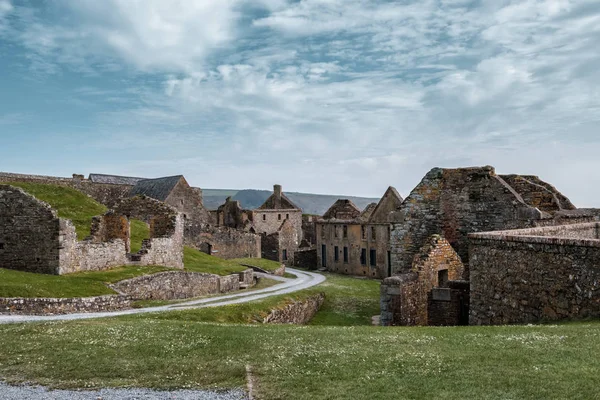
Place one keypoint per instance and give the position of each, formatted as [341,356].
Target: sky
[321,96]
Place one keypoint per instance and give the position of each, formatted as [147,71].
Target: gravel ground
[40,393]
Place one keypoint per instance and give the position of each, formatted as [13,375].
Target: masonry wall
[227,243]
[269,221]
[49,306]
[520,277]
[289,242]
[449,306]
[306,258]
[29,233]
[297,312]
[454,203]
[169,285]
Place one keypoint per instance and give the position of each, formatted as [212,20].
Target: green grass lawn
[262,263]
[314,362]
[84,284]
[197,261]
[139,231]
[69,203]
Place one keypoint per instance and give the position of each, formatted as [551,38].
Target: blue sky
[324,96]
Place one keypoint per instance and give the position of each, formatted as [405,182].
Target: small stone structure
[418,297]
[226,242]
[306,258]
[528,275]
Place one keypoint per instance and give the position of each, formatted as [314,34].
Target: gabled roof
[365,216]
[390,201]
[343,209]
[158,189]
[114,179]
[278,201]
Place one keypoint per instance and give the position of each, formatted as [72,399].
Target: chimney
[277,191]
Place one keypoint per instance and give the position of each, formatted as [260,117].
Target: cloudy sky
[323,96]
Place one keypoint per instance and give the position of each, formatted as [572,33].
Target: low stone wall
[169,285]
[449,306]
[298,312]
[306,258]
[279,271]
[49,306]
[247,277]
[518,278]
[229,283]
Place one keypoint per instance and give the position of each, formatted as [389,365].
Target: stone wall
[449,306]
[247,278]
[226,243]
[49,306]
[229,283]
[309,229]
[535,274]
[297,312]
[454,203]
[306,258]
[269,221]
[29,232]
[169,285]
[399,300]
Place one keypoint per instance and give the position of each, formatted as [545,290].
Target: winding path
[304,280]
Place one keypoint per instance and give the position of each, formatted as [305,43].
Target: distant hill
[316,204]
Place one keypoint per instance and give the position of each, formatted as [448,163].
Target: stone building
[452,204]
[279,222]
[34,239]
[357,243]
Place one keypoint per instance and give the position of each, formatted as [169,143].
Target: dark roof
[114,179]
[159,188]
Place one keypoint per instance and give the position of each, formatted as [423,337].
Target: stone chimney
[277,193]
[78,177]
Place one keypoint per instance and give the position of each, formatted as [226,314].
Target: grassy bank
[290,362]
[196,261]
[84,284]
[261,263]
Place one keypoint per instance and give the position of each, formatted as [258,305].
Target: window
[181,202]
[287,216]
[323,231]
[279,217]
[285,255]
[373,258]
[345,230]
[363,232]
[1,246]
[335,231]
[389,232]
[443,278]
[264,217]
[336,254]
[346,255]
[324,255]
[363,257]
[373,233]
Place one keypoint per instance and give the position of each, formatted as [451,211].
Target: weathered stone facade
[358,243]
[529,275]
[454,203]
[226,242]
[306,258]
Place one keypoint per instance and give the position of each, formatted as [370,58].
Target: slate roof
[114,179]
[159,188]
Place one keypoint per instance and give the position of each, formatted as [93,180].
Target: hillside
[309,203]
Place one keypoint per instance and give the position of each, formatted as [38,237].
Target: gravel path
[304,280]
[40,393]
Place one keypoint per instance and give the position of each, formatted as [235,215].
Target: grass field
[315,362]
[262,263]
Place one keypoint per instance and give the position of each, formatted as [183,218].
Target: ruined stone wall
[229,283]
[29,232]
[188,201]
[454,203]
[309,229]
[227,243]
[166,251]
[522,276]
[169,285]
[49,306]
[269,221]
[288,243]
[538,193]
[269,247]
[297,312]
[399,303]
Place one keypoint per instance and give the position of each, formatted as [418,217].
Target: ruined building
[34,239]
[357,243]
[434,223]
